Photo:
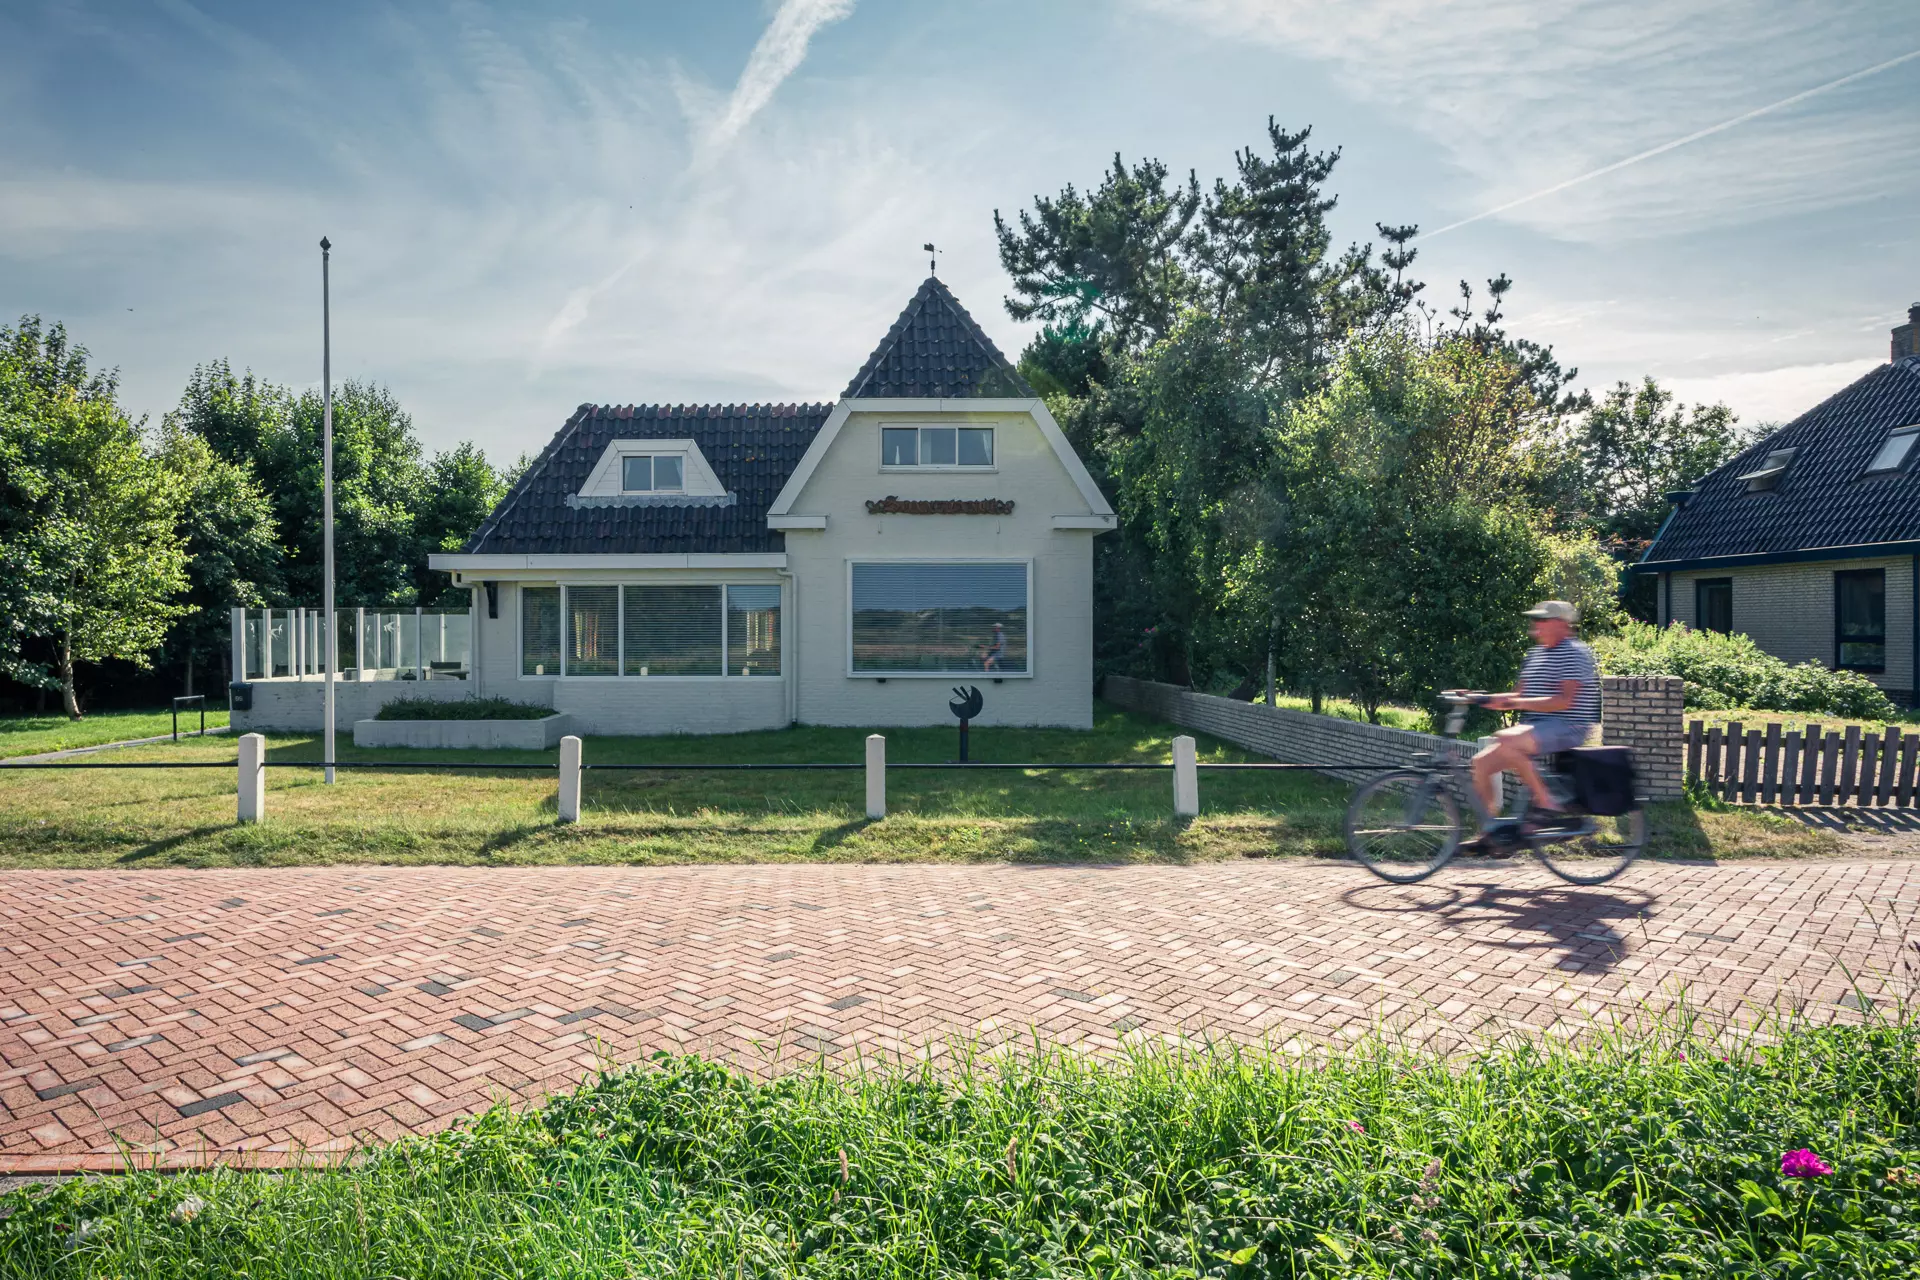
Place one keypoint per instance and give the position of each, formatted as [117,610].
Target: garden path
[199,1014]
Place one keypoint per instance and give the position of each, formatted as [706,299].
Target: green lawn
[1753,718]
[1658,1155]
[31,735]
[149,818]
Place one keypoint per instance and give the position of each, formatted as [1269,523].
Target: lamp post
[326,492]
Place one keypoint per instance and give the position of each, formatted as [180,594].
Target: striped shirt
[1544,669]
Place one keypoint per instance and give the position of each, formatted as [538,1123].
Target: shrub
[465,709]
[1733,671]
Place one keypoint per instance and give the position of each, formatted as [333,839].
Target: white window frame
[620,634]
[991,428]
[1033,660]
[650,457]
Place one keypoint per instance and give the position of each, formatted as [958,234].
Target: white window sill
[893,469]
[961,676]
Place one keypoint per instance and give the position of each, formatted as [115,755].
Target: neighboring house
[688,569]
[1810,540]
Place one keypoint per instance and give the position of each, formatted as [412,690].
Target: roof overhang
[1859,551]
[1034,406]
[460,562]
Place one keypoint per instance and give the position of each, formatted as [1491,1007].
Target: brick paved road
[278,1010]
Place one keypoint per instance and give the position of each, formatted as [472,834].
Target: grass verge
[1789,721]
[1653,1156]
[31,735]
[159,818]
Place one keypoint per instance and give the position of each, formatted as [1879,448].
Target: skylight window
[1768,473]
[1894,451]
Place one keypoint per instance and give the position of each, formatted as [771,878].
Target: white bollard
[876,776]
[569,779]
[253,777]
[1186,779]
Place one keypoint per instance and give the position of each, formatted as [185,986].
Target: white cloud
[1772,395]
[1524,94]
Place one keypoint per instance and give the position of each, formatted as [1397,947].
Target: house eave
[462,562]
[1858,551]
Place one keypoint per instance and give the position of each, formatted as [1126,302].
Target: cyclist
[1558,697]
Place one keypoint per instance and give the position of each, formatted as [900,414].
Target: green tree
[233,553]
[1176,324]
[1404,532]
[393,505]
[1636,445]
[460,491]
[89,549]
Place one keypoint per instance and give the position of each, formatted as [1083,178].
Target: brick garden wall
[1642,712]
[1647,714]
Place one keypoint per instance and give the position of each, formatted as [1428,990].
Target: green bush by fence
[1732,671]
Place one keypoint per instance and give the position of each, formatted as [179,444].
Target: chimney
[1906,337]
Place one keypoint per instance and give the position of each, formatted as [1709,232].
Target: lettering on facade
[892,506]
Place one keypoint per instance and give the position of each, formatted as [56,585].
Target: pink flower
[1356,1126]
[1804,1164]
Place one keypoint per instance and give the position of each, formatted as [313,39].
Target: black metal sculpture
[966,708]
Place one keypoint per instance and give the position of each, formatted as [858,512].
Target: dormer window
[1894,450]
[652,473]
[1768,473]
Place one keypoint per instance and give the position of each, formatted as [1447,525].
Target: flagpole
[326,489]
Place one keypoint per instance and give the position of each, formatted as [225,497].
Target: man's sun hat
[1558,609]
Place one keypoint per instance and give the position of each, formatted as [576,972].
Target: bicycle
[1404,824]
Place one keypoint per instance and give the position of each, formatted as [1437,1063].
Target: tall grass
[1656,1154]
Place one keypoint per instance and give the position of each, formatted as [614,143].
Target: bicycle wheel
[1403,825]
[1599,856]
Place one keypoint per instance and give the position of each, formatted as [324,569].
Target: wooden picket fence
[1766,766]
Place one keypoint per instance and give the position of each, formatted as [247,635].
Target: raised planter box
[513,735]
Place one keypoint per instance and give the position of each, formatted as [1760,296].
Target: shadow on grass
[834,837]
[167,844]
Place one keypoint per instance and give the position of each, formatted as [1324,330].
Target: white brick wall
[299,706]
[1788,610]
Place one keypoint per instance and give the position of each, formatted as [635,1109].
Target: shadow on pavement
[1591,928]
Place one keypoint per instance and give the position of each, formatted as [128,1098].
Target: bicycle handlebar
[1465,697]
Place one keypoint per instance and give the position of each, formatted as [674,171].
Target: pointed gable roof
[935,351]
[1827,502]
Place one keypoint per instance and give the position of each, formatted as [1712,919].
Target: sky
[536,205]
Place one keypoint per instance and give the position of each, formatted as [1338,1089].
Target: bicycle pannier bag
[1602,779]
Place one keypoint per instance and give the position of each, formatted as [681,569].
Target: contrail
[1665,147]
[782,47]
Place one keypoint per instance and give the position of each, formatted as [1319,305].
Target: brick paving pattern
[195,1014]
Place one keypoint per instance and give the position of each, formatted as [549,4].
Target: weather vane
[932,254]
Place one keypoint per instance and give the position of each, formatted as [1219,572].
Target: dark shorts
[1552,736]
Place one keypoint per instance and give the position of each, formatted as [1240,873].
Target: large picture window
[1860,619]
[690,630]
[1713,605]
[673,631]
[539,631]
[914,618]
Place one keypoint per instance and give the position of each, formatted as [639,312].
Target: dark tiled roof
[935,350]
[1822,500]
[751,448]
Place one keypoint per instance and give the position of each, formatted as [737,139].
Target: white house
[689,569]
